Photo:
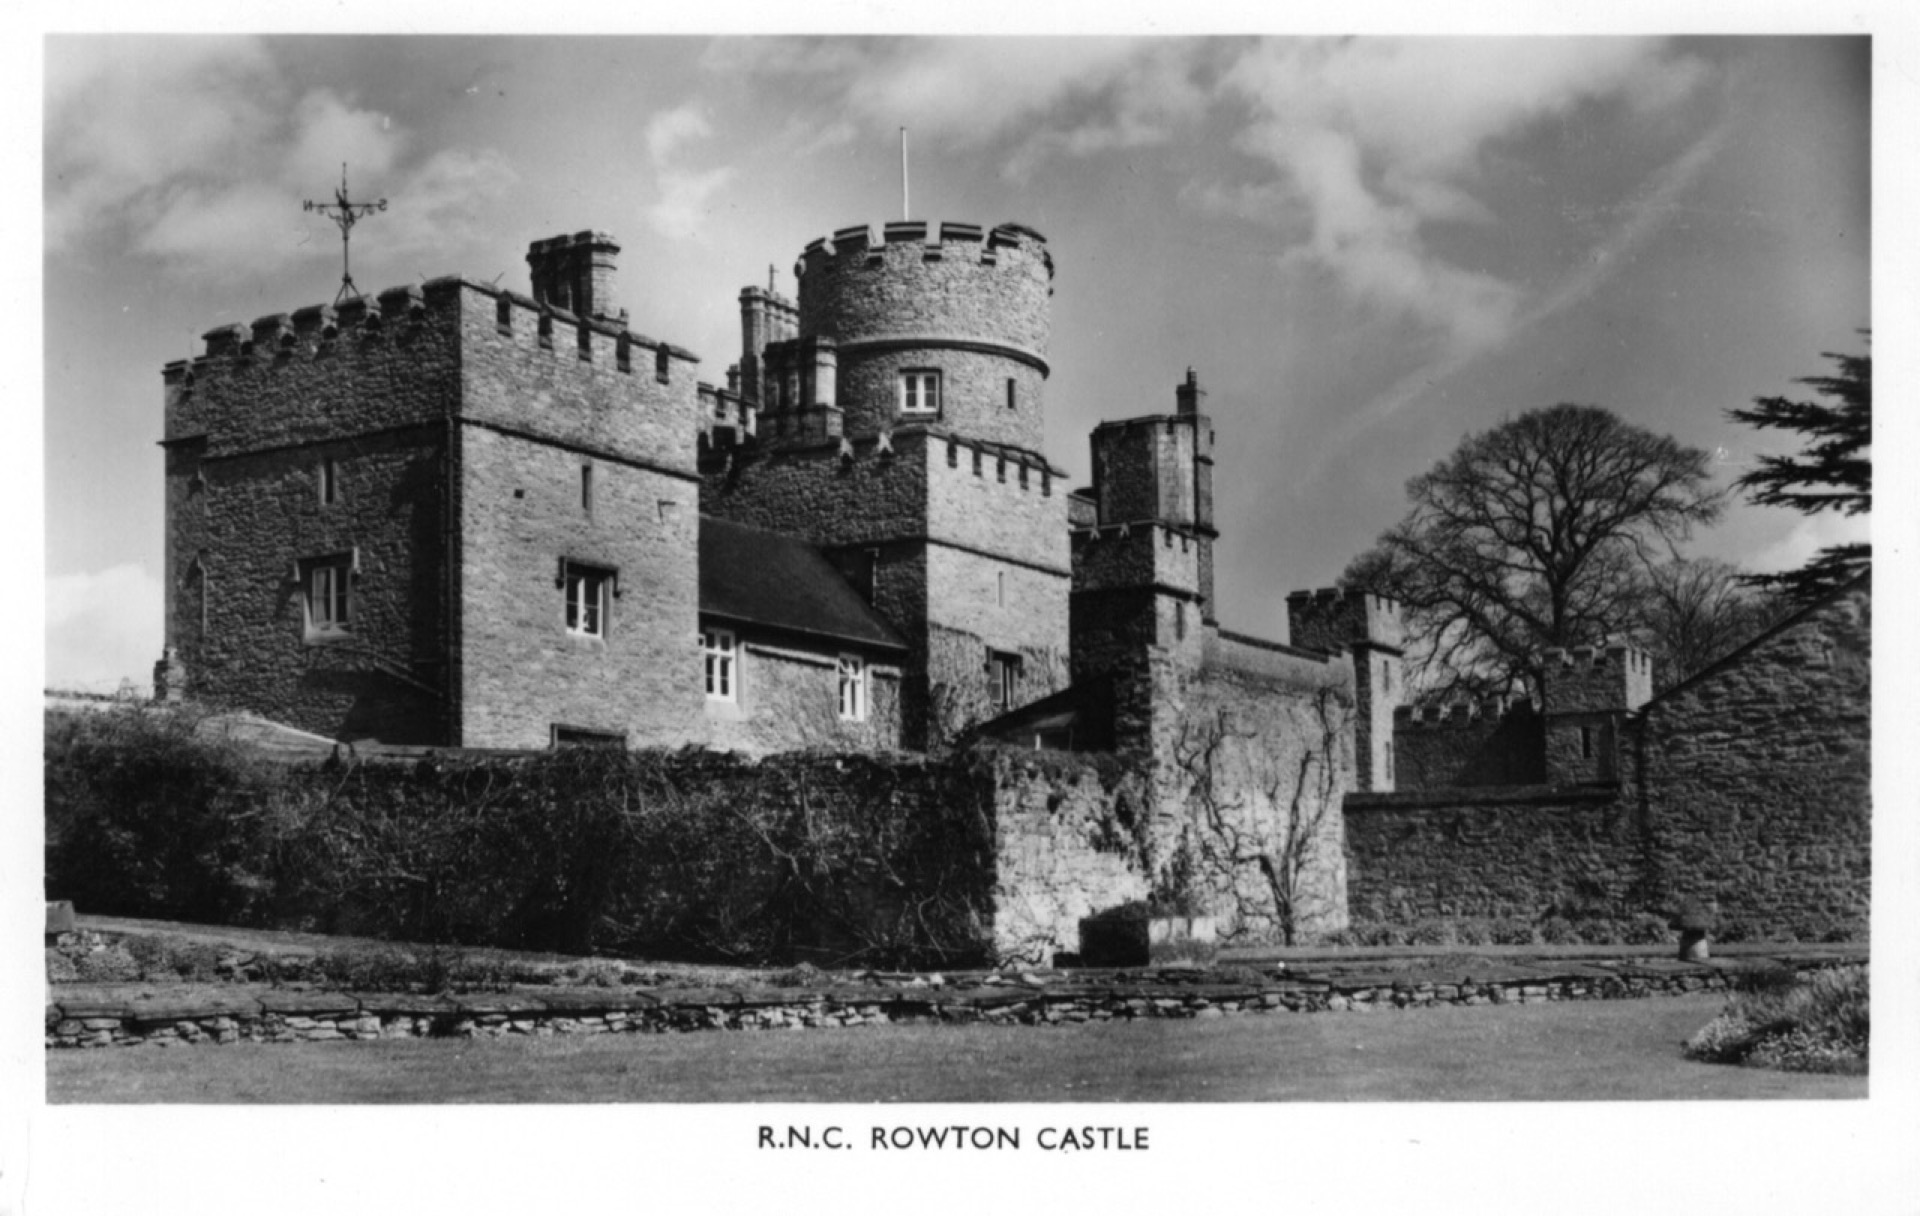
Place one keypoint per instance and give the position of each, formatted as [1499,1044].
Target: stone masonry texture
[922,302]
[1756,778]
[1746,787]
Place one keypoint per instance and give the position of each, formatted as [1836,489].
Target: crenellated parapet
[419,353]
[1616,677]
[727,419]
[1461,714]
[1139,555]
[1334,618]
[1588,694]
[939,322]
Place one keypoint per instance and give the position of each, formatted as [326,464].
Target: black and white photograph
[1046,611]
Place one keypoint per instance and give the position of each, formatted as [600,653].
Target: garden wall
[1493,854]
[878,860]
[1757,777]
[1748,787]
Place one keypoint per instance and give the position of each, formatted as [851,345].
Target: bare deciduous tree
[1527,536]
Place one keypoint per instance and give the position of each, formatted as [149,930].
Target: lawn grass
[1563,1051]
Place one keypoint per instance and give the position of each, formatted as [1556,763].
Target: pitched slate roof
[760,578]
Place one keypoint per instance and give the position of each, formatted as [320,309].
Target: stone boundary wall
[295,1017]
[1492,852]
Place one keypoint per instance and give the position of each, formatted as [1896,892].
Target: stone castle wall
[1756,775]
[1493,853]
[522,672]
[1250,767]
[242,528]
[1067,837]
[398,394]
[1747,787]
[1490,744]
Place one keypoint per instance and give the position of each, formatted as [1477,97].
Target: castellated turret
[1587,693]
[1367,627]
[892,416]
[929,323]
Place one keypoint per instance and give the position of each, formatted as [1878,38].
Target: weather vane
[345,213]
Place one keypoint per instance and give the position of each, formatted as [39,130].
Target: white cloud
[192,150]
[1810,535]
[685,202]
[1057,96]
[102,628]
[685,194]
[1374,141]
[125,115]
[668,132]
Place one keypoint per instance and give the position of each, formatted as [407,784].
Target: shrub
[882,861]
[1429,933]
[1776,1020]
[1560,932]
[1510,932]
[146,816]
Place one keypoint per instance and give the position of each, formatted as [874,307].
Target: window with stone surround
[588,591]
[919,391]
[327,597]
[720,653]
[1003,679]
[853,688]
[329,482]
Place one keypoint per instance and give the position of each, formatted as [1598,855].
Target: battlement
[1590,679]
[418,353]
[321,329]
[726,418]
[934,240]
[1140,554]
[1460,715]
[1335,618]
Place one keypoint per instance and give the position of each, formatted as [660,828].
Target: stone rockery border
[285,1015]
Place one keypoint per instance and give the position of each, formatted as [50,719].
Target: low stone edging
[283,1016]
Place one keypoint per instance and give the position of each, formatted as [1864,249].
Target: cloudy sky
[1367,247]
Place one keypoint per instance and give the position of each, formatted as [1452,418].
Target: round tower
[940,324]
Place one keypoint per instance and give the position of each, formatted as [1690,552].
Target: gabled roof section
[777,582]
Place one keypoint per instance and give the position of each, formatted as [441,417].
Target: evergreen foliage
[1833,472]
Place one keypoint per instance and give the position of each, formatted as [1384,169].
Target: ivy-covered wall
[881,860]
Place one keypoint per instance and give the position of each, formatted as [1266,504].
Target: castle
[463,516]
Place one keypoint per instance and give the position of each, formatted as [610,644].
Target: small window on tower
[1003,674]
[588,589]
[327,599]
[329,482]
[586,488]
[919,392]
[1586,743]
[1013,393]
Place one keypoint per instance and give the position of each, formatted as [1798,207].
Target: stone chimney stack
[576,273]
